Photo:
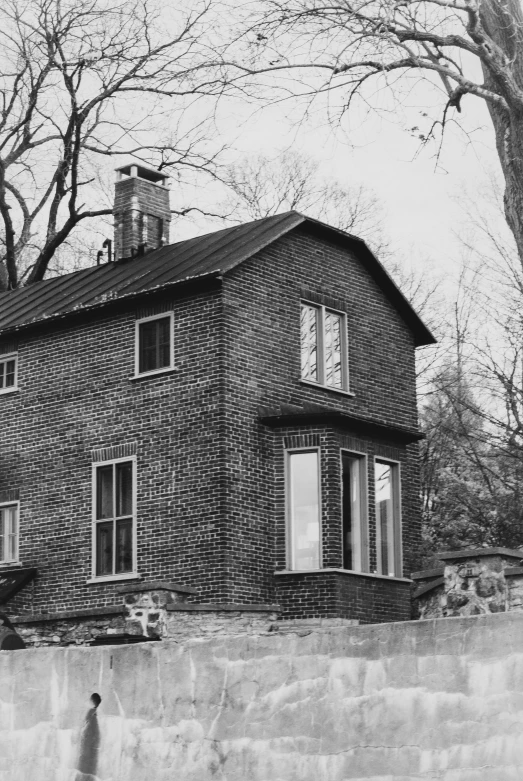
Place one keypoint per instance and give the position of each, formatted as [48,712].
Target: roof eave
[81,310]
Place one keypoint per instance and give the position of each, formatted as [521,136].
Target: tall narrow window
[154,344]
[387,518]
[303,501]
[324,347]
[8,532]
[114,518]
[354,516]
[8,371]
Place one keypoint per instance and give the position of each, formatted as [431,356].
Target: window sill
[156,373]
[341,571]
[4,391]
[310,384]
[4,565]
[114,578]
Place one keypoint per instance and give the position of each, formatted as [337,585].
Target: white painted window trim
[137,372]
[120,575]
[114,578]
[320,349]
[397,519]
[289,537]
[364,507]
[4,359]
[16,560]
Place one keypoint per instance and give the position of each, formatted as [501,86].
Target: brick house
[228,421]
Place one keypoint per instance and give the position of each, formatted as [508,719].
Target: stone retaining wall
[415,701]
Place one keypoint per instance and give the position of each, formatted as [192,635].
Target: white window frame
[17,551]
[289,531]
[162,316]
[5,359]
[320,349]
[120,575]
[397,520]
[364,562]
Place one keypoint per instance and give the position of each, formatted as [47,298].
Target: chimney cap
[142,172]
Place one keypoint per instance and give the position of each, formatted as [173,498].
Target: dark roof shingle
[215,253]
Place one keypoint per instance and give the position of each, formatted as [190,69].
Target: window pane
[309,342]
[104,548]
[11,529]
[333,373]
[352,512]
[104,492]
[124,545]
[3,523]
[10,374]
[154,344]
[2,375]
[164,342]
[385,517]
[147,337]
[304,510]
[124,489]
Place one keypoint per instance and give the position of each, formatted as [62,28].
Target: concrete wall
[392,702]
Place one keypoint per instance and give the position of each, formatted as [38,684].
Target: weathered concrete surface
[424,700]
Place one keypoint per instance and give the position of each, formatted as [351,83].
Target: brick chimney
[141,210]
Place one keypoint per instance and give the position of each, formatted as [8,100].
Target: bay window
[354,515]
[388,525]
[303,510]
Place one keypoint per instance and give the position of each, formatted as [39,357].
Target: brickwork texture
[210,477]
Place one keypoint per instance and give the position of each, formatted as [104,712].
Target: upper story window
[154,343]
[8,373]
[324,347]
[8,532]
[303,510]
[388,521]
[114,518]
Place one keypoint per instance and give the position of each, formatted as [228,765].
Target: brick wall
[76,397]
[262,301]
[370,600]
[210,475]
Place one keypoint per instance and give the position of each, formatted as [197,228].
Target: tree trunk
[502,21]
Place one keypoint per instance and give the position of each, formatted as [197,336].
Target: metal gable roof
[211,254]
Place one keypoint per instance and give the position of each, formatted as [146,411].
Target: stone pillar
[147,603]
[486,580]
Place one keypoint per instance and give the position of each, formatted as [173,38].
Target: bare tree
[84,80]
[262,186]
[472,458]
[468,47]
